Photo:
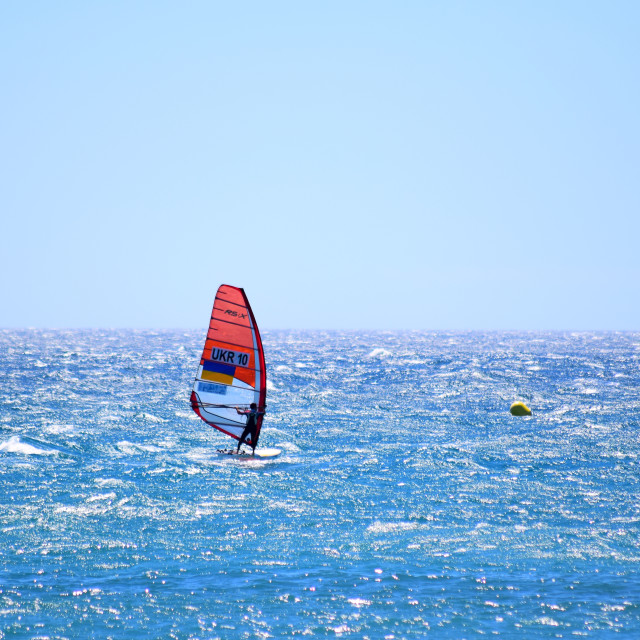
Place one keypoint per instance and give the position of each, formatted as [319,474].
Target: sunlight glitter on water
[407,500]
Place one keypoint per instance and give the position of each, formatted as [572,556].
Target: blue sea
[407,501]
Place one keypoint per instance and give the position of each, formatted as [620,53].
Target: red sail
[232,372]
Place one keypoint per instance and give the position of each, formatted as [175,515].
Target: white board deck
[259,453]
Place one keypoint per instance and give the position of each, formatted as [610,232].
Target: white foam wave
[189,415]
[109,482]
[379,353]
[58,428]
[281,368]
[13,445]
[103,496]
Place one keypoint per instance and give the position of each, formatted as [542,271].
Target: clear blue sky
[351,164]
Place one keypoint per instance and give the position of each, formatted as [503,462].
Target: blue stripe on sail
[218,367]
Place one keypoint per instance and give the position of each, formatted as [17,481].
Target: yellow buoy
[520,409]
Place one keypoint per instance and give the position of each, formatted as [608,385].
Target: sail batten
[232,370]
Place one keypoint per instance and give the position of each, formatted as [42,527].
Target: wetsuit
[251,429]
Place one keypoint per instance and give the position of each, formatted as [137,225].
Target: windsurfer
[251,428]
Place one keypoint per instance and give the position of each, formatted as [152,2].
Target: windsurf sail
[232,372]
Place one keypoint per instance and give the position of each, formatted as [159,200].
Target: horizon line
[320,329]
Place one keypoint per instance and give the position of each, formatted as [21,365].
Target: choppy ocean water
[407,502]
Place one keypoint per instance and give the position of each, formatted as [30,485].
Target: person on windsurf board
[232,373]
[251,428]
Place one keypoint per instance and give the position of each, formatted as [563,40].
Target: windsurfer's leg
[243,437]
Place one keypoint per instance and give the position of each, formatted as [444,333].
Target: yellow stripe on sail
[212,376]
